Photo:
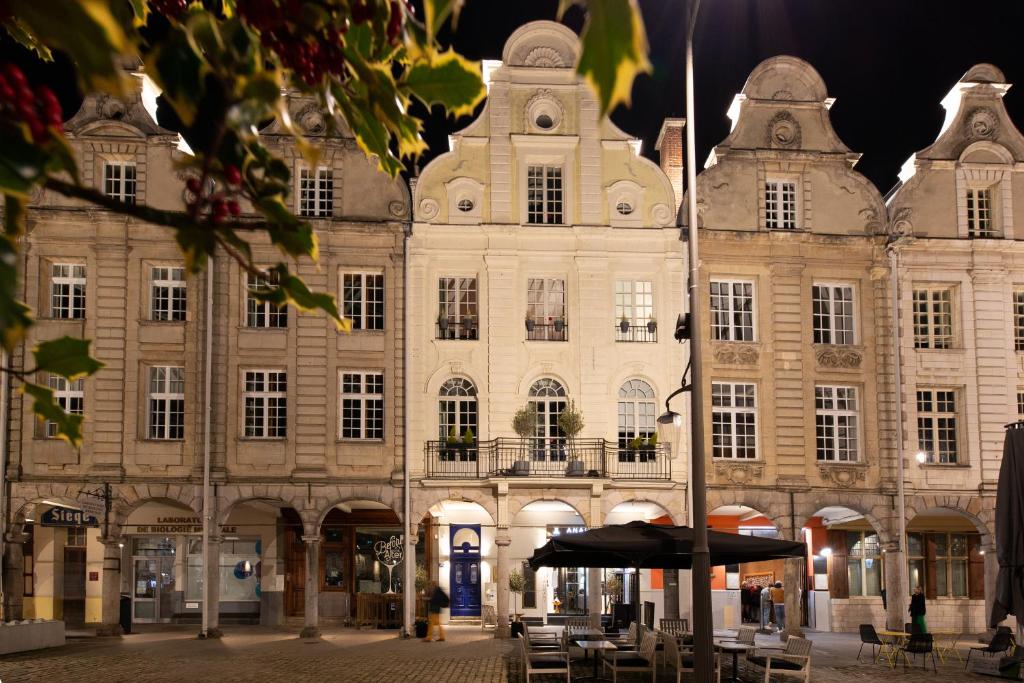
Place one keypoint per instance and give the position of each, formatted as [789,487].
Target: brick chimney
[670,148]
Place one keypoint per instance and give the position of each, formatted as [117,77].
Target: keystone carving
[839,357]
[739,473]
[982,123]
[735,353]
[842,476]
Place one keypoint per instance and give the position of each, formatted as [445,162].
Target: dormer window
[780,204]
[465,205]
[980,221]
[544,195]
[119,180]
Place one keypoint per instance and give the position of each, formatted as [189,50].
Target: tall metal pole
[704,660]
[901,507]
[207,498]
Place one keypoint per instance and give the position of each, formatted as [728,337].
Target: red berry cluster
[218,204]
[38,109]
[170,8]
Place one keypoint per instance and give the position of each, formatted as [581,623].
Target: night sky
[887,62]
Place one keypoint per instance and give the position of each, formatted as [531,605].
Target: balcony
[647,333]
[450,328]
[553,331]
[546,457]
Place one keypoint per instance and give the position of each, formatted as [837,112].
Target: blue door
[465,570]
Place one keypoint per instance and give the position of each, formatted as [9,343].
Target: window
[936,425]
[624,208]
[1018,321]
[634,304]
[944,558]
[548,396]
[529,586]
[119,180]
[544,195]
[28,553]
[545,310]
[456,308]
[266,404]
[636,420]
[933,318]
[76,537]
[169,297]
[263,313]
[316,192]
[1020,403]
[362,405]
[732,310]
[456,409]
[465,205]
[833,314]
[70,396]
[363,300]
[780,204]
[835,410]
[733,420]
[863,563]
[166,402]
[979,214]
[67,291]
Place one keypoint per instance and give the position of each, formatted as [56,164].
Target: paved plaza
[265,654]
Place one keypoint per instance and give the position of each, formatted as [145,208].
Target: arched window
[456,408]
[548,396]
[636,419]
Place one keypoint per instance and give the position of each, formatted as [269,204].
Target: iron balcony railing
[452,329]
[636,333]
[555,331]
[546,457]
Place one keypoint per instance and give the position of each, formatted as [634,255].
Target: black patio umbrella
[652,546]
[1009,597]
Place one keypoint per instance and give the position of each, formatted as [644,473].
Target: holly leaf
[293,236]
[614,50]
[67,357]
[16,30]
[69,427]
[15,316]
[436,12]
[448,79]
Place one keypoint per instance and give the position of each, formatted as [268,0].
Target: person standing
[917,610]
[438,601]
[779,604]
[744,602]
[766,607]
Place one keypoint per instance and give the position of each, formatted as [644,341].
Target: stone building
[305,423]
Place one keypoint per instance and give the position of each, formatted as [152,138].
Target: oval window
[465,205]
[624,208]
[545,121]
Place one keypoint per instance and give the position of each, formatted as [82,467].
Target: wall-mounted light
[826,552]
[922,457]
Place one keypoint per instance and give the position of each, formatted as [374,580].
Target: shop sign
[563,530]
[67,517]
[390,554]
[91,505]
[176,525]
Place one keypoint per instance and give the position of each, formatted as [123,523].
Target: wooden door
[295,575]
[74,586]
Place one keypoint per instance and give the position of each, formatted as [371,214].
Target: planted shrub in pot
[652,325]
[559,324]
[624,325]
[570,421]
[524,423]
[442,322]
[451,443]
[530,323]
[650,446]
[516,585]
[422,583]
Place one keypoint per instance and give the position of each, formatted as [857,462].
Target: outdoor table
[597,646]
[945,644]
[897,638]
[735,648]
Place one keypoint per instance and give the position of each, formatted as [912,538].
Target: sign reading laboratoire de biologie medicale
[67,517]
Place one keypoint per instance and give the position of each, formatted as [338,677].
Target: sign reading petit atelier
[67,517]
[175,525]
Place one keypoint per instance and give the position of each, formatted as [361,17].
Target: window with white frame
[266,404]
[316,192]
[933,318]
[864,563]
[936,425]
[980,221]
[634,304]
[119,180]
[1020,402]
[637,410]
[836,423]
[362,296]
[780,204]
[70,396]
[456,409]
[732,310]
[544,195]
[545,309]
[733,420]
[832,307]
[67,291]
[951,562]
[457,315]
[168,293]
[263,313]
[362,405]
[1018,320]
[167,402]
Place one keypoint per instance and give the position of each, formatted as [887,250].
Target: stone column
[110,610]
[311,629]
[14,575]
[670,593]
[212,578]
[896,600]
[991,574]
[503,541]
[794,582]
[409,592]
[595,602]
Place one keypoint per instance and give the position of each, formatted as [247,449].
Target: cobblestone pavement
[264,654]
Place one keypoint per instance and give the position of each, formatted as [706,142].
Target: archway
[552,594]
[736,588]
[630,591]
[457,542]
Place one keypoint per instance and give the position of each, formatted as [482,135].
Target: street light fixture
[922,457]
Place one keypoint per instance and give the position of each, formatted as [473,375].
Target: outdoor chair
[1001,642]
[676,627]
[629,638]
[680,657]
[488,617]
[541,640]
[745,635]
[869,636]
[543,663]
[919,644]
[795,660]
[640,660]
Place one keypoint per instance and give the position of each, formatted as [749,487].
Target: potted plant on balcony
[451,443]
[524,423]
[559,324]
[634,445]
[649,447]
[570,421]
[530,322]
[442,322]
[468,327]
[624,325]
[516,585]
[652,325]
[468,442]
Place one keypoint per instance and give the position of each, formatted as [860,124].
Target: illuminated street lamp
[922,457]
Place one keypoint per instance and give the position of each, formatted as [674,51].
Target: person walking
[766,608]
[438,601]
[917,610]
[779,604]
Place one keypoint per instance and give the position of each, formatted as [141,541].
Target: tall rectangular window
[167,402]
[67,291]
[833,314]
[732,310]
[1018,321]
[733,420]
[933,318]
[863,563]
[457,315]
[979,214]
[951,561]
[363,300]
[544,195]
[70,396]
[780,204]
[266,404]
[936,425]
[362,405]
[545,310]
[835,413]
[634,305]
[168,293]
[263,313]
[1020,403]
[316,192]
[119,180]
